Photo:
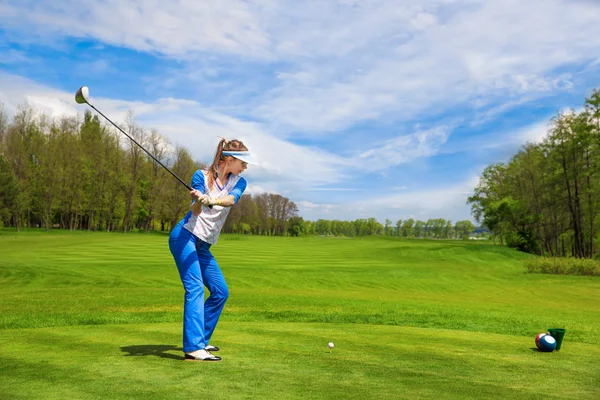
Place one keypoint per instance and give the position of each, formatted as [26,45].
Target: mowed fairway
[98,315]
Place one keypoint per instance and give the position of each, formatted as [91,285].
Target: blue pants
[198,268]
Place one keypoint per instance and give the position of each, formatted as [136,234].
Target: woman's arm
[197,199]
[231,198]
[198,186]
[234,195]
[227,201]
[196,208]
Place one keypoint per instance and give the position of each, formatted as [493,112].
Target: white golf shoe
[201,355]
[211,348]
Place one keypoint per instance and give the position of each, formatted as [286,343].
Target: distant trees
[71,174]
[432,228]
[463,229]
[408,229]
[264,214]
[546,198]
[74,174]
[9,190]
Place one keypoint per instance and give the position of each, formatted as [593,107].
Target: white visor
[244,156]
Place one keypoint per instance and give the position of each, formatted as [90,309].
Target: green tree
[388,228]
[9,191]
[419,229]
[323,227]
[408,230]
[21,147]
[448,231]
[464,229]
[295,226]
[177,198]
[3,126]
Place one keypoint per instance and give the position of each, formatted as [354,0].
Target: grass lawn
[98,315]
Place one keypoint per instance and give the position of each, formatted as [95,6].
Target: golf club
[81,97]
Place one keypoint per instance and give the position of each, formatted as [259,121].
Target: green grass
[98,315]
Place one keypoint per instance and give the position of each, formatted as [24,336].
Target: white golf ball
[330,345]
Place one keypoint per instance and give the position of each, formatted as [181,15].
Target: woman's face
[236,166]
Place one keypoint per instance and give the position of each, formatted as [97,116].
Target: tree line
[80,174]
[546,198]
[69,173]
[432,228]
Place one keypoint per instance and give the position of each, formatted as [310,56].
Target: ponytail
[213,169]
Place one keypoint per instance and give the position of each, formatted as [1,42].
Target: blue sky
[355,109]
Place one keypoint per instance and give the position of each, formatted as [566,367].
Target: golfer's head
[234,155]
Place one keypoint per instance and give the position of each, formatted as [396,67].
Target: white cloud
[499,143]
[334,189]
[171,28]
[447,202]
[15,90]
[284,166]
[534,133]
[423,21]
[489,51]
[12,56]
[482,51]
[345,61]
[6,10]
[342,62]
[531,133]
[403,149]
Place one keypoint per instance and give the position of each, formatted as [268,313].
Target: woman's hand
[210,201]
[197,196]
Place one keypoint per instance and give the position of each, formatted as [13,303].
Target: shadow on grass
[158,350]
[535,349]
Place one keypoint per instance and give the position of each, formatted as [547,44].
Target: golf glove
[210,201]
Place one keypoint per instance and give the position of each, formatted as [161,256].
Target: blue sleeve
[198,182]
[238,189]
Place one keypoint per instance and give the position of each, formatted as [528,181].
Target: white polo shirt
[208,224]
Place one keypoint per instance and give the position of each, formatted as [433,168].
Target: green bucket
[558,335]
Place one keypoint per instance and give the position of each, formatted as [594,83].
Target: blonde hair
[224,145]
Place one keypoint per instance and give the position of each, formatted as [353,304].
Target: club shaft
[141,147]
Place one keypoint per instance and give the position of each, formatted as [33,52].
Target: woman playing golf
[214,191]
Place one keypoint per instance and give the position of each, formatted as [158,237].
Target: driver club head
[81,96]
